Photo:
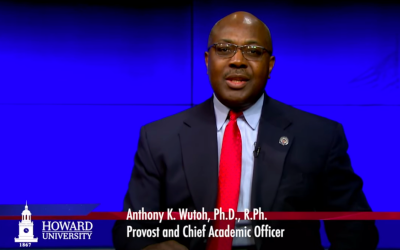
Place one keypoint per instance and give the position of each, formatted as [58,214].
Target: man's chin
[235,103]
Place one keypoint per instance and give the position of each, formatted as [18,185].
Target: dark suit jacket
[176,166]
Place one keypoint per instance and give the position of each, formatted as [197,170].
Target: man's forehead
[241,27]
[243,33]
[244,23]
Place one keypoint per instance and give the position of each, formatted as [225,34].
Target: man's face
[238,82]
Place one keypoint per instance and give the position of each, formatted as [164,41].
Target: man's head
[238,81]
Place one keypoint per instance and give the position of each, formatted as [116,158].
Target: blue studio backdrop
[78,80]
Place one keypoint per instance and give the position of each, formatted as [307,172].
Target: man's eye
[224,49]
[254,51]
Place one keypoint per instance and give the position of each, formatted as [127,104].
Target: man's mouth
[236,81]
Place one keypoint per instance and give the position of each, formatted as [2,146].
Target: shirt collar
[251,115]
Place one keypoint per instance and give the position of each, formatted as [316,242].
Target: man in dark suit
[241,149]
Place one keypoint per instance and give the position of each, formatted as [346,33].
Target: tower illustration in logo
[26,227]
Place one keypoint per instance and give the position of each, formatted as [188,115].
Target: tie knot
[234,115]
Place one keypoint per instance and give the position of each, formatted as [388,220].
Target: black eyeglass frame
[240,47]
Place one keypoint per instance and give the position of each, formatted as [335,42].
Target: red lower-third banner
[199,215]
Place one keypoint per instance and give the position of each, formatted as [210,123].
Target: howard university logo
[25,237]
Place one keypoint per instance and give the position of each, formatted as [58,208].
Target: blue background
[78,80]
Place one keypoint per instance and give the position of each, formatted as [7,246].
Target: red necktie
[229,180]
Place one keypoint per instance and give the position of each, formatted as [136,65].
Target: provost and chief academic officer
[288,160]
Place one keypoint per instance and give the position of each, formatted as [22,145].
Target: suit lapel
[268,166]
[198,138]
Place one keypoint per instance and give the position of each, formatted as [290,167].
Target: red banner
[138,215]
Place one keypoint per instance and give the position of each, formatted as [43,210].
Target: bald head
[239,78]
[244,20]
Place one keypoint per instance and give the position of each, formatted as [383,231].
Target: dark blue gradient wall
[77,81]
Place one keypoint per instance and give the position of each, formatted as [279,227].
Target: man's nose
[238,60]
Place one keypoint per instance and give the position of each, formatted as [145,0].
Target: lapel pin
[283,141]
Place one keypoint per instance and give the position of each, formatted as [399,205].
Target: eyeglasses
[250,52]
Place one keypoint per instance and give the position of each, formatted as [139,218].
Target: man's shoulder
[303,118]
[174,122]
[300,118]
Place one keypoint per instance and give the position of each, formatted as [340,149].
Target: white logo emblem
[283,141]
[26,227]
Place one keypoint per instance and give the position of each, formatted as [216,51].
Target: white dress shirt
[248,126]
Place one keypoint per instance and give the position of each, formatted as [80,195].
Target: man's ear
[271,65]
[206,60]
